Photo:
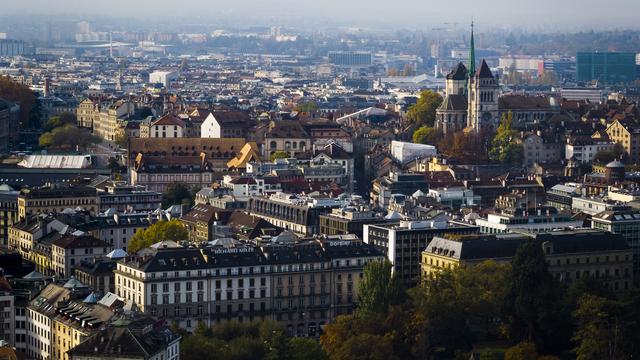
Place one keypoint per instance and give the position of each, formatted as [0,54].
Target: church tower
[484,90]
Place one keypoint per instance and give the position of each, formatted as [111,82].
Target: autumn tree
[307,106]
[20,94]
[59,120]
[163,230]
[279,155]
[423,112]
[426,135]
[505,147]
[67,137]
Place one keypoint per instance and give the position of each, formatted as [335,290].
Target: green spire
[472,55]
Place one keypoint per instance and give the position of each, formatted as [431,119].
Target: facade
[606,67]
[451,115]
[88,113]
[287,136]
[167,126]
[627,134]
[199,222]
[56,198]
[625,222]
[70,251]
[303,286]
[127,198]
[297,214]
[542,219]
[583,150]
[403,242]
[228,124]
[571,255]
[156,175]
[350,58]
[484,91]
[8,212]
[396,183]
[538,150]
[116,228]
[345,221]
[139,339]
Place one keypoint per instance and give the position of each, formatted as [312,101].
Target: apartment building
[55,198]
[294,284]
[71,250]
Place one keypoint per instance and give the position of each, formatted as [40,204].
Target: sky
[530,14]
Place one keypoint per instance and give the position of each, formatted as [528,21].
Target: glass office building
[606,67]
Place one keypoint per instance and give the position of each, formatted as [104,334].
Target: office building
[403,242]
[606,67]
[350,58]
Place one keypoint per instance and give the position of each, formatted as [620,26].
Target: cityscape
[319,181]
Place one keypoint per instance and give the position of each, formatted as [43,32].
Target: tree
[160,231]
[378,289]
[365,347]
[531,302]
[306,349]
[67,137]
[505,147]
[426,135]
[121,140]
[423,112]
[60,120]
[279,155]
[604,157]
[308,106]
[20,94]
[607,328]
[177,194]
[522,351]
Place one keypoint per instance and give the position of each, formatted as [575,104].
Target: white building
[405,152]
[167,126]
[163,77]
[585,149]
[455,197]
[543,219]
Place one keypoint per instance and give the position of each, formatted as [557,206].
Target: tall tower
[472,55]
[483,112]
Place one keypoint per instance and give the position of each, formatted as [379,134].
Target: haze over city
[542,15]
[319,180]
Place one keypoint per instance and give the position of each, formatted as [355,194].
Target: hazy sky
[536,14]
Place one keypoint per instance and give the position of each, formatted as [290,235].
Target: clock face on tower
[486,117]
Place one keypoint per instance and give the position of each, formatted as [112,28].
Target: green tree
[306,349]
[522,351]
[279,155]
[365,347]
[160,231]
[604,157]
[423,112]
[67,137]
[379,289]
[531,303]
[308,106]
[177,194]
[607,328]
[505,147]
[122,140]
[60,120]
[426,135]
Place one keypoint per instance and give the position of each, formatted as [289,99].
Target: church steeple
[472,55]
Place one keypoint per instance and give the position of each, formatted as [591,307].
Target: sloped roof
[168,120]
[485,72]
[459,73]
[249,152]
[455,102]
